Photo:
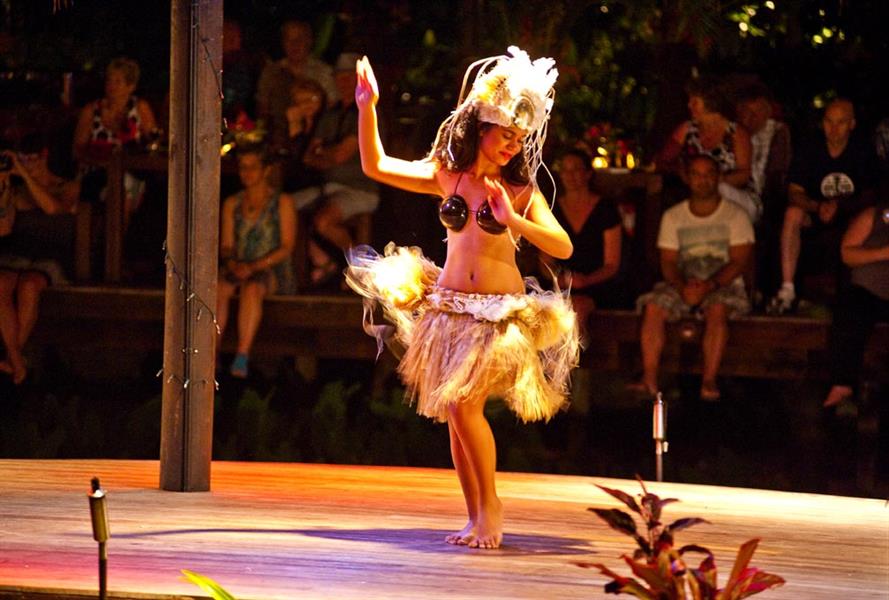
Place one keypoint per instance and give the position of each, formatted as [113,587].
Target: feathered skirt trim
[461,346]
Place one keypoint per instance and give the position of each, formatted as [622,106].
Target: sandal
[239,366]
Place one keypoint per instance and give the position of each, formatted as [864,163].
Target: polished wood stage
[284,530]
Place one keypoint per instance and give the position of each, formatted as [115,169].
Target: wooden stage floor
[284,530]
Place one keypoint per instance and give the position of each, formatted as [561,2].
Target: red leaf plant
[660,569]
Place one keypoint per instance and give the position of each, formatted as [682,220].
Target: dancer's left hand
[367,92]
[501,204]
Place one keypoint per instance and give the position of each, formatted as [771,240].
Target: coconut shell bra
[453,212]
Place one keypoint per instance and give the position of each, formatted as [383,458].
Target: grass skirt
[461,346]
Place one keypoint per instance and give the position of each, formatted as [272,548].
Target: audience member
[594,226]
[770,143]
[36,239]
[710,133]
[770,161]
[273,93]
[865,250]
[828,182]
[347,192]
[256,242]
[705,244]
[307,101]
[239,73]
[118,118]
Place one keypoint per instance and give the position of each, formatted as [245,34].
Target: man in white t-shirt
[705,244]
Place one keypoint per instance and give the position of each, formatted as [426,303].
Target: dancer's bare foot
[490,527]
[837,394]
[464,536]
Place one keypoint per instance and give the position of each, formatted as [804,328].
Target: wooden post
[192,245]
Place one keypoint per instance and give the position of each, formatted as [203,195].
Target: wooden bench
[330,327]
[759,346]
[96,317]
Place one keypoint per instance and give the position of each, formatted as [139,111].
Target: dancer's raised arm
[414,176]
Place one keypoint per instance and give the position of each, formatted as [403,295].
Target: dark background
[621,62]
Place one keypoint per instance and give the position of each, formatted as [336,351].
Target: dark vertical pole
[192,245]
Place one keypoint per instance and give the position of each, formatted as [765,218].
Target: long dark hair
[463,135]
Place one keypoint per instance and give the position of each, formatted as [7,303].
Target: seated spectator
[346,191]
[710,133]
[118,118]
[770,161]
[307,102]
[273,89]
[256,242]
[829,181]
[239,73]
[594,226]
[865,250]
[36,239]
[705,243]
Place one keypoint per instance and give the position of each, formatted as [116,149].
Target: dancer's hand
[367,92]
[501,204]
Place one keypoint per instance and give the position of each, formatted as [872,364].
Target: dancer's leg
[469,485]
[477,440]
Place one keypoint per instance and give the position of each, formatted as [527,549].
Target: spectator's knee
[716,313]
[8,281]
[254,289]
[327,218]
[794,217]
[654,311]
[31,283]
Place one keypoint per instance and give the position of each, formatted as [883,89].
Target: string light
[172,270]
[193,296]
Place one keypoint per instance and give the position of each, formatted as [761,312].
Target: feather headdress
[510,90]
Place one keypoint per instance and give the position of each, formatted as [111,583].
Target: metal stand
[99,518]
[659,433]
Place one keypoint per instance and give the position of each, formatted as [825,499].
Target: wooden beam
[192,245]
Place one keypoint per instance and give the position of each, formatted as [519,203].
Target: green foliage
[209,586]
[259,432]
[662,568]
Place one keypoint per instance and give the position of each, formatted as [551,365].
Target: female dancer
[470,329]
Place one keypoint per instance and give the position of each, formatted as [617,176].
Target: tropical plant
[216,591]
[662,567]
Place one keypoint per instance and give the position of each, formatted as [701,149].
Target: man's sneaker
[782,303]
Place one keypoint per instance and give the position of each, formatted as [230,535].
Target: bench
[330,327]
[100,317]
[759,346]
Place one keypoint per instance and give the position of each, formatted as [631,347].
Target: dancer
[474,329]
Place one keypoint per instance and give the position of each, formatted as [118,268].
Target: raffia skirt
[462,346]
